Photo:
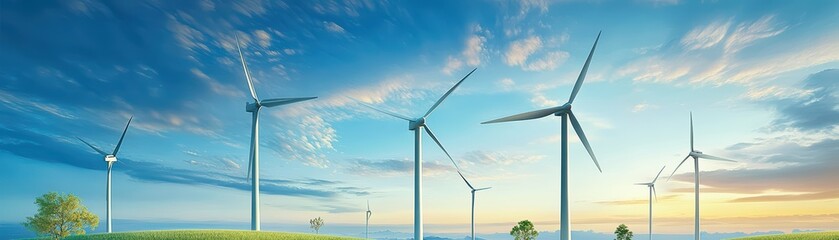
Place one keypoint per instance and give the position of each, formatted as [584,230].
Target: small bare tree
[316,223]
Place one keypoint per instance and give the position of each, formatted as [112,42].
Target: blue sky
[760,77]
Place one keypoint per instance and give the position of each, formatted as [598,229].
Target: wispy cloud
[394,167]
[499,158]
[333,27]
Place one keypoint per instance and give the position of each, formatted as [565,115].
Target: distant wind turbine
[416,125]
[253,108]
[473,200]
[563,111]
[367,222]
[110,158]
[696,154]
[651,186]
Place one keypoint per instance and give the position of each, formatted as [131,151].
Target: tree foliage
[623,233]
[524,231]
[316,223]
[60,215]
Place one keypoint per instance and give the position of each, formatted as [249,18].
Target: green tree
[524,231]
[60,215]
[623,233]
[316,223]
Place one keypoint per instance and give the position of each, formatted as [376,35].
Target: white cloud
[471,54]
[305,139]
[520,50]
[333,27]
[746,33]
[216,86]
[775,92]
[507,84]
[499,158]
[707,36]
[711,54]
[263,37]
[187,36]
[452,64]
[549,62]
[474,47]
[643,107]
[540,100]
[250,8]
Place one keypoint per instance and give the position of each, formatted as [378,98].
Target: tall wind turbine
[367,222]
[563,111]
[651,186]
[253,108]
[696,154]
[473,201]
[110,158]
[417,125]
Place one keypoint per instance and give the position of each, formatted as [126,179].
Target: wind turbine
[473,201]
[416,125]
[367,222]
[651,186]
[110,159]
[253,108]
[696,154]
[563,111]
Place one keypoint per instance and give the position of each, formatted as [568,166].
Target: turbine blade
[368,205]
[583,139]
[382,111]
[706,156]
[528,115]
[247,73]
[691,131]
[481,189]
[92,147]
[447,94]
[582,76]
[464,179]
[283,101]
[659,174]
[428,130]
[645,184]
[123,136]
[677,167]
[654,193]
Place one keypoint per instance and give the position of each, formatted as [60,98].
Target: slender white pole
[108,197]
[651,212]
[564,230]
[255,180]
[696,198]
[418,183]
[473,214]
[366,225]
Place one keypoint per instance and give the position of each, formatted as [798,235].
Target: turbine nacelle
[414,124]
[565,108]
[110,158]
[252,106]
[695,153]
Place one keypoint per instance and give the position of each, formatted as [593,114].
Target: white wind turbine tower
[651,186]
[563,111]
[416,125]
[110,158]
[253,108]
[696,154]
[473,201]
[367,221]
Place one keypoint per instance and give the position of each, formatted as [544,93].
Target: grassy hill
[796,236]
[208,234]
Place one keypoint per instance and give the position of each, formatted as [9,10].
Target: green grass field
[207,234]
[796,236]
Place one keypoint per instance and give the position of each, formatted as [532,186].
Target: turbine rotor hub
[252,107]
[419,122]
